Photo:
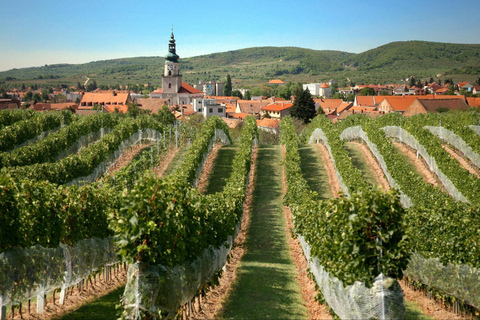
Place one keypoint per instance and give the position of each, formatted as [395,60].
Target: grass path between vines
[177,160]
[266,286]
[314,170]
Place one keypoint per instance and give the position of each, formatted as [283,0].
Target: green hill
[254,66]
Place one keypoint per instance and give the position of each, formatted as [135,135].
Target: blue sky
[39,32]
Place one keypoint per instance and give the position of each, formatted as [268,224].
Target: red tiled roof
[278,106]
[252,106]
[331,104]
[186,88]
[240,115]
[232,123]
[324,85]
[269,123]
[343,106]
[433,105]
[365,101]
[61,106]
[276,81]
[105,97]
[111,108]
[473,101]
[442,90]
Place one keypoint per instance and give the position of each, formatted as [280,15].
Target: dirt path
[421,166]
[463,162]
[332,175]
[428,306]
[211,303]
[202,184]
[374,165]
[162,167]
[75,298]
[127,157]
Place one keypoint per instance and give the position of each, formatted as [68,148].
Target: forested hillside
[389,63]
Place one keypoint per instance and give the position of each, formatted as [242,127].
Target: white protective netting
[99,171]
[83,142]
[475,128]
[28,272]
[457,142]
[353,133]
[460,281]
[403,136]
[317,136]
[36,138]
[384,300]
[159,288]
[162,289]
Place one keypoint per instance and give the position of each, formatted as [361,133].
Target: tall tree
[303,107]
[228,86]
[367,91]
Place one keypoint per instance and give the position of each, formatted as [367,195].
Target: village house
[473,102]
[252,107]
[109,101]
[9,104]
[434,105]
[276,110]
[465,86]
[476,90]
[209,107]
[210,88]
[276,82]
[328,105]
[318,89]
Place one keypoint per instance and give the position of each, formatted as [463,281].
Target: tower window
[169,73]
[169,85]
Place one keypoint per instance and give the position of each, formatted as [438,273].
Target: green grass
[177,160]
[409,163]
[266,287]
[314,171]
[103,308]
[413,312]
[360,162]
[222,169]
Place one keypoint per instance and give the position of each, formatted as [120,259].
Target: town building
[9,104]
[210,88]
[174,90]
[109,101]
[318,89]
[435,105]
[209,107]
[277,110]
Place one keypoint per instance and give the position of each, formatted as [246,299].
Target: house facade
[318,89]
[277,110]
[209,107]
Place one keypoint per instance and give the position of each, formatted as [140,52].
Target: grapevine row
[21,131]
[177,228]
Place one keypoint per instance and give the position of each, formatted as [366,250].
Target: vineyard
[71,209]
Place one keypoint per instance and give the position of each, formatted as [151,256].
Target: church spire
[172,50]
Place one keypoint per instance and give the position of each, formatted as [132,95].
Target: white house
[209,107]
[318,89]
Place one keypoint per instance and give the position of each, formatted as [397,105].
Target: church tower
[171,79]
